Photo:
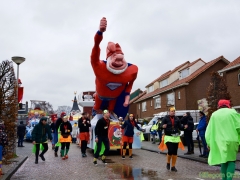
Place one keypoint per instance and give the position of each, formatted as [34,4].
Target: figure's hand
[96,140]
[34,142]
[197,130]
[164,126]
[143,130]
[103,25]
[88,142]
[186,126]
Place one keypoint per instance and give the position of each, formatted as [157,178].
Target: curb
[9,174]
[184,157]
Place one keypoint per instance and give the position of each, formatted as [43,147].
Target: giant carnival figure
[114,76]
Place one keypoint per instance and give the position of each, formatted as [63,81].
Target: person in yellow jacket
[153,131]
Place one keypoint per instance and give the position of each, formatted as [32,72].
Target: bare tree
[217,90]
[8,105]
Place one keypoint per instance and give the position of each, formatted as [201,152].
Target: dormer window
[150,89]
[184,73]
[163,83]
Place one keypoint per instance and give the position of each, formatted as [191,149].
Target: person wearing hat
[84,125]
[172,126]
[39,136]
[201,129]
[101,136]
[222,136]
[114,76]
[127,138]
[65,137]
[58,123]
[21,131]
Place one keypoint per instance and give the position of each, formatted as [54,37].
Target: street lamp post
[18,60]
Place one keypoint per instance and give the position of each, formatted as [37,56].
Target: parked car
[179,114]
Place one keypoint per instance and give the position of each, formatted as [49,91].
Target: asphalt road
[145,165]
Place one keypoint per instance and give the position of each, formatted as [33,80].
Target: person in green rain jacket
[222,137]
[39,136]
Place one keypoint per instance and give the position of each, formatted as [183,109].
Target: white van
[179,114]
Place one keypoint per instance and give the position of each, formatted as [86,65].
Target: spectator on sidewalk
[222,136]
[153,131]
[21,130]
[3,143]
[159,130]
[187,122]
[172,126]
[127,138]
[65,138]
[74,132]
[201,129]
[39,136]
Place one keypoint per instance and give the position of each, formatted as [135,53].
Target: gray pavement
[147,145]
[145,165]
[22,153]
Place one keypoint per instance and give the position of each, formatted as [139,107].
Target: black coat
[84,127]
[169,130]
[21,130]
[68,127]
[187,120]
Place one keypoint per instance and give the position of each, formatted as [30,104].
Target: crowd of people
[219,137]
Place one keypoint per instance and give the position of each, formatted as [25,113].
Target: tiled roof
[185,81]
[233,63]
[137,97]
[168,73]
[194,62]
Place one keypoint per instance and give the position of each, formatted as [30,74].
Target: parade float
[114,78]
[38,109]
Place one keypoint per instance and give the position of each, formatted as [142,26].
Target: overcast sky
[56,38]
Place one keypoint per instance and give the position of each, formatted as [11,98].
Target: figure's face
[117,61]
[172,112]
[64,119]
[107,115]
[117,133]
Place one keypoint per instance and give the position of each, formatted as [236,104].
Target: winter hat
[113,48]
[223,102]
[63,114]
[43,119]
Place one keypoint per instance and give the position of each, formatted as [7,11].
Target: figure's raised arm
[95,56]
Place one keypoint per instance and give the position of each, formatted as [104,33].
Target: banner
[20,94]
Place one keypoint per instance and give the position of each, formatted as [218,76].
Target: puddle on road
[128,172]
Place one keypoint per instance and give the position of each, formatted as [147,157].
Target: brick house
[181,87]
[132,106]
[231,73]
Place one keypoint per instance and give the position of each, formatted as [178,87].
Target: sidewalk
[147,145]
[15,163]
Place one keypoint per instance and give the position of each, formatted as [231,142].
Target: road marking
[199,178]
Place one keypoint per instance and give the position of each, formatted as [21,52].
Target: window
[179,95]
[139,106]
[163,83]
[157,102]
[150,89]
[144,106]
[151,103]
[184,73]
[239,79]
[170,99]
